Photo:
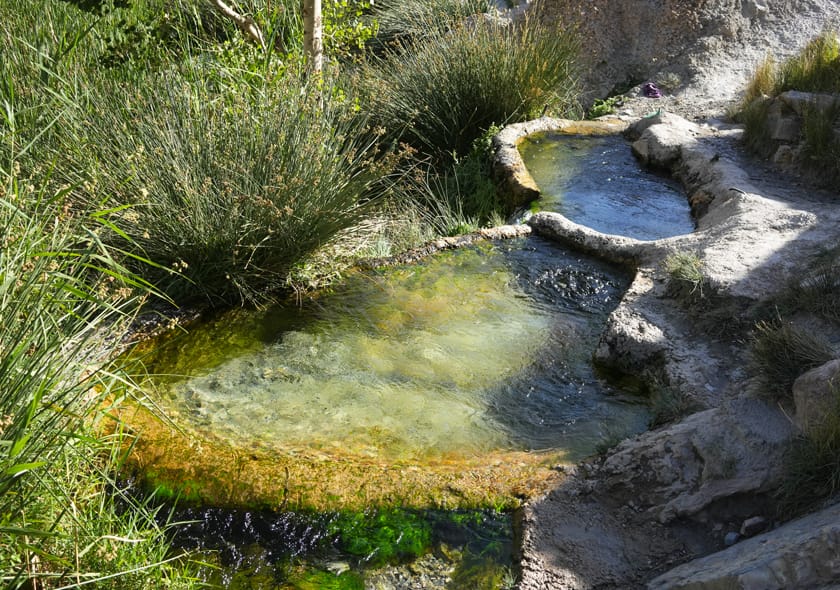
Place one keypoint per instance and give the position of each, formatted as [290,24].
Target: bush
[442,92]
[780,352]
[812,467]
[232,184]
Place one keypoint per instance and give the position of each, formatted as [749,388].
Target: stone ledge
[804,553]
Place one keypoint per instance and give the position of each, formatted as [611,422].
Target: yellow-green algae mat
[400,387]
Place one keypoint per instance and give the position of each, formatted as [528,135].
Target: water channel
[480,352]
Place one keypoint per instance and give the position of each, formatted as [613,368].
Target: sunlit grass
[442,92]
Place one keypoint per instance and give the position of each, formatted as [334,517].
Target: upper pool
[595,181]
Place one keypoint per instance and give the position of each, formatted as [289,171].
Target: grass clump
[669,404]
[415,19]
[757,134]
[821,145]
[812,466]
[685,271]
[455,198]
[818,289]
[780,352]
[815,69]
[442,92]
[764,81]
[228,192]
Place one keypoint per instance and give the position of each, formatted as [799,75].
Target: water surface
[596,181]
[477,350]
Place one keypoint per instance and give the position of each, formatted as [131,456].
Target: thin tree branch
[245,23]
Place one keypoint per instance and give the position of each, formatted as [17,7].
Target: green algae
[321,580]
[349,549]
[382,536]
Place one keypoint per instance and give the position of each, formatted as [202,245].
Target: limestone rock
[752,526]
[631,343]
[802,554]
[712,455]
[675,122]
[800,102]
[815,395]
[661,145]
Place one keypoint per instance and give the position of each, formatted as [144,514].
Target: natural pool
[455,383]
[474,351]
[595,181]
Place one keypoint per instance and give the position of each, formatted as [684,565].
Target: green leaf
[23,468]
[29,532]
[19,444]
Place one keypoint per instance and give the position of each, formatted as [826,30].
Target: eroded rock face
[701,52]
[802,554]
[679,471]
[616,523]
[815,395]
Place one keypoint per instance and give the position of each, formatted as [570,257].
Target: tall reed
[230,183]
[443,91]
[63,298]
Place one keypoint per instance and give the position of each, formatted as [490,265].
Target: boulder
[663,138]
[800,102]
[783,124]
[713,455]
[815,395]
[802,554]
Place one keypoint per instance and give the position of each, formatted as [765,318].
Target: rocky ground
[689,505]
[700,52]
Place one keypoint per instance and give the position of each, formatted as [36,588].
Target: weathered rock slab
[679,471]
[618,523]
[802,554]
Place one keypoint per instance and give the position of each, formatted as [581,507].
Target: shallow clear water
[475,350]
[596,181]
